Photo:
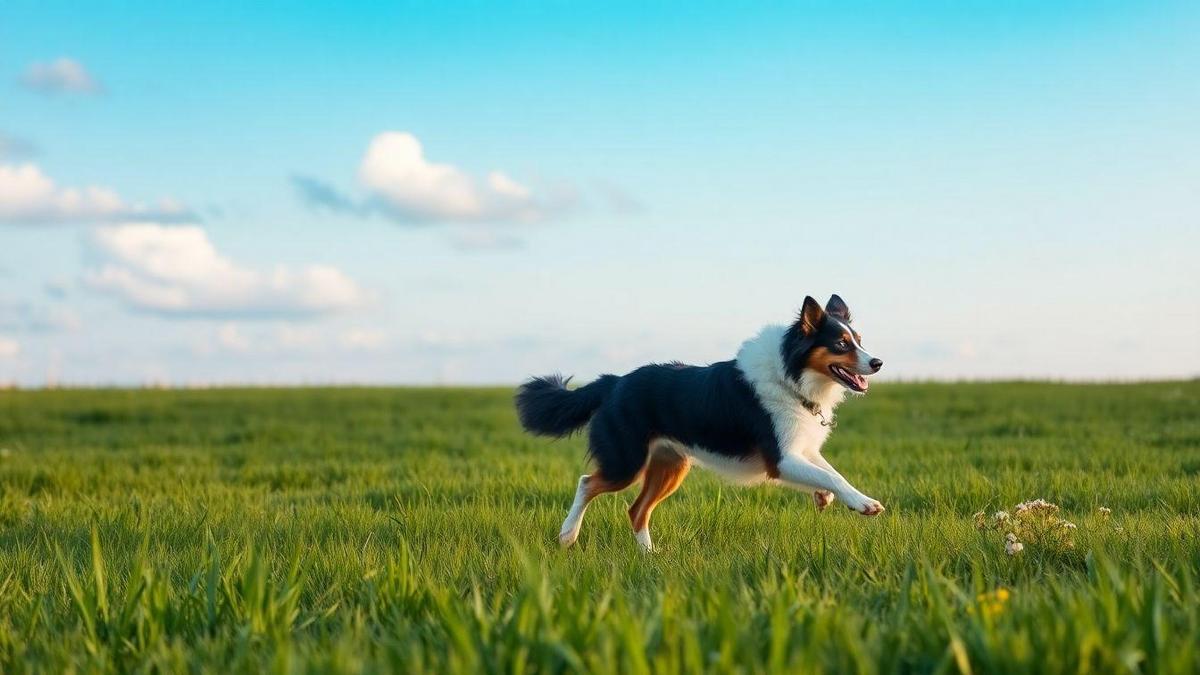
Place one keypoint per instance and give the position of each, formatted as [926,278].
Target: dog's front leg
[799,471]
[824,498]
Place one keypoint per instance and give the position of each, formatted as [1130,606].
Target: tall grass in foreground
[241,614]
[413,531]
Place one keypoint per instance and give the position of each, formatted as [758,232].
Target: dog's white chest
[811,433]
[800,432]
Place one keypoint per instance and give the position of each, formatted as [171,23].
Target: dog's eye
[842,344]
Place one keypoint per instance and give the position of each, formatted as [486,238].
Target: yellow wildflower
[991,603]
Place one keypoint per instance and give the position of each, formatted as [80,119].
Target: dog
[759,418]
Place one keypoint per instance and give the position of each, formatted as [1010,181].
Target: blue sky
[442,192]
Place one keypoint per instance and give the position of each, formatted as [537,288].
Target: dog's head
[822,341]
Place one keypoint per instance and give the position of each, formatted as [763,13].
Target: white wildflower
[1036,505]
[1013,547]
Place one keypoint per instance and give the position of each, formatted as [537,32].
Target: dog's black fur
[707,406]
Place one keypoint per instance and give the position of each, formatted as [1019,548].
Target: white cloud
[60,76]
[412,188]
[364,339]
[229,337]
[176,270]
[29,196]
[9,348]
[400,182]
[288,336]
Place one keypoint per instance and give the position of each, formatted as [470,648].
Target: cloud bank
[176,271]
[60,76]
[28,196]
[412,188]
[400,182]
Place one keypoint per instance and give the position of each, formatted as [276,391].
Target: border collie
[761,417]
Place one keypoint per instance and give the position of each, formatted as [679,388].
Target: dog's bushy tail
[546,407]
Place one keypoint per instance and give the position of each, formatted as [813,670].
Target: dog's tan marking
[771,465]
[664,472]
[820,359]
[590,487]
[597,485]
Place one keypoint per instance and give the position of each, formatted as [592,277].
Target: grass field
[413,530]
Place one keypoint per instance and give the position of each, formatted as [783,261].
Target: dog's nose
[876,364]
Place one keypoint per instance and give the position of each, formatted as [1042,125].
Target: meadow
[413,530]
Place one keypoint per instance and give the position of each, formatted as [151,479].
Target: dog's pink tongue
[858,380]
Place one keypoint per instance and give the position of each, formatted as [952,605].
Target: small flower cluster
[1011,545]
[991,604]
[1105,515]
[1037,506]
[1034,522]
[999,520]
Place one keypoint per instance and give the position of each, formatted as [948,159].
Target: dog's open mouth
[853,381]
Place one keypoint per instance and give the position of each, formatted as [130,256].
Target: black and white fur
[761,417]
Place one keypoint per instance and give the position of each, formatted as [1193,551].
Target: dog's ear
[801,337]
[811,316]
[836,307]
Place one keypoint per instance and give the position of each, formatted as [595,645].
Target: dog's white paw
[643,540]
[822,498]
[865,505]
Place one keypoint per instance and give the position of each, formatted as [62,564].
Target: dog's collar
[808,404]
[815,408]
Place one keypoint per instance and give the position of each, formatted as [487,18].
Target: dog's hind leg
[614,442]
[664,472]
[570,527]
[589,488]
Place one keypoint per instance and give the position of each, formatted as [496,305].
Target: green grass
[414,530]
